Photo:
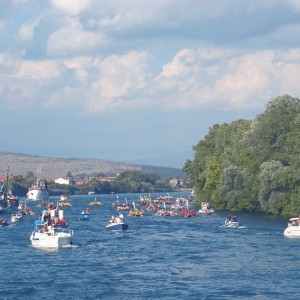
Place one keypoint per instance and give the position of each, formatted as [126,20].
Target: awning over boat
[38,223]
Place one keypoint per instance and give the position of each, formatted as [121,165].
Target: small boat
[117,223]
[15,217]
[64,197]
[293,228]
[95,203]
[44,236]
[3,222]
[135,212]
[91,193]
[206,209]
[65,203]
[231,222]
[85,215]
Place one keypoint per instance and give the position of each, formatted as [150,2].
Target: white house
[63,181]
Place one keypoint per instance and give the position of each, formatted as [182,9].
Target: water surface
[157,258]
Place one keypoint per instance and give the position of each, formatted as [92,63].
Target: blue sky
[139,81]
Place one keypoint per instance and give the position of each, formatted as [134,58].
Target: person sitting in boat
[87,211]
[3,221]
[228,219]
[112,220]
[295,223]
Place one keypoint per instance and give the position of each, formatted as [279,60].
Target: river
[157,258]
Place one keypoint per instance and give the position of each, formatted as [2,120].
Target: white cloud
[120,77]
[71,7]
[27,29]
[240,82]
[39,70]
[294,3]
[73,39]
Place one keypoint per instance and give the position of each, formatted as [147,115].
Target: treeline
[251,165]
[126,182]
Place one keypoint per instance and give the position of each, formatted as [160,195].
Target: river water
[157,258]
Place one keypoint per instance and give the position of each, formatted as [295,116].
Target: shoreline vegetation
[251,165]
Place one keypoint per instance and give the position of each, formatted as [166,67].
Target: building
[68,181]
[178,182]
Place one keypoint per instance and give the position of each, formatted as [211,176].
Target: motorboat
[293,228]
[38,190]
[206,209]
[15,217]
[44,236]
[64,197]
[117,223]
[231,222]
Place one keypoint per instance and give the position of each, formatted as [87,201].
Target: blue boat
[84,217]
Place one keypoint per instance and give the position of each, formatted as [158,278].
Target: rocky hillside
[52,167]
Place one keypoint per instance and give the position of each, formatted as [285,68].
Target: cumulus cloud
[241,81]
[73,39]
[100,55]
[71,7]
[26,31]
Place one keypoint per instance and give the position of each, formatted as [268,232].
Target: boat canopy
[38,223]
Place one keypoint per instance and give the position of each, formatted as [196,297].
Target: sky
[139,81]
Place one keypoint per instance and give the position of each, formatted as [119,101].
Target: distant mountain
[52,167]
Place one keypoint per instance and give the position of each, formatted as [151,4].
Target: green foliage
[254,165]
[126,182]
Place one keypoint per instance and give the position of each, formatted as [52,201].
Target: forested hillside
[251,166]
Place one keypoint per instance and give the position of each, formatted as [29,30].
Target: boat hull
[292,231]
[37,195]
[84,217]
[209,211]
[232,224]
[57,240]
[122,227]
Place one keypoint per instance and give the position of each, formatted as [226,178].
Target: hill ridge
[55,167]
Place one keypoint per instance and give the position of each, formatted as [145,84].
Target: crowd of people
[53,217]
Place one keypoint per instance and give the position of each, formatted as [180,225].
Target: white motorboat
[231,222]
[206,209]
[45,237]
[117,223]
[64,197]
[15,217]
[293,228]
[38,190]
